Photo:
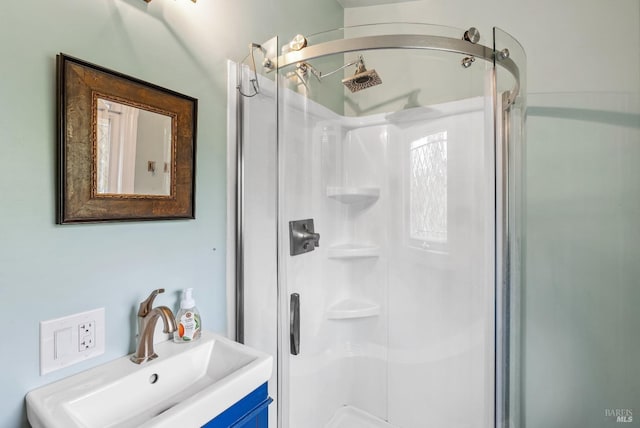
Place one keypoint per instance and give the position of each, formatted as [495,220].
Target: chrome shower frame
[405,41]
[466,46]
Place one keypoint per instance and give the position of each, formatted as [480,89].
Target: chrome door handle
[294,324]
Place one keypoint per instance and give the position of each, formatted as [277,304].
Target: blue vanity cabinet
[250,412]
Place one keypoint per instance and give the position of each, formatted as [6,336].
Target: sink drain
[153,378]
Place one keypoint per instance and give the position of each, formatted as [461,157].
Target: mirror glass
[134,150]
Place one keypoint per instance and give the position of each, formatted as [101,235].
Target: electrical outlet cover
[68,340]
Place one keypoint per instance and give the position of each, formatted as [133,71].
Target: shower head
[362,79]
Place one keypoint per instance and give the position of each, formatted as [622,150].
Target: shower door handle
[294,324]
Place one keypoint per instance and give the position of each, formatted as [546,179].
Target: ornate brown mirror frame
[81,86]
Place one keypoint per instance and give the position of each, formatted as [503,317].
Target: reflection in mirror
[133,150]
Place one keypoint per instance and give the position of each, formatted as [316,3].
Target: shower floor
[352,417]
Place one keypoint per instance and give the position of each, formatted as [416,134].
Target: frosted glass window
[428,189]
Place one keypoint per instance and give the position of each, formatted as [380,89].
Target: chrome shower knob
[467,61]
[503,54]
[472,35]
[298,42]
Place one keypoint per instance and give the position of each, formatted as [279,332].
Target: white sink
[186,386]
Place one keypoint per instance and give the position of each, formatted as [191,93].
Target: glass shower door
[252,213]
[510,143]
[389,320]
[336,314]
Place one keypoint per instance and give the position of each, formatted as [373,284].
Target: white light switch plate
[68,340]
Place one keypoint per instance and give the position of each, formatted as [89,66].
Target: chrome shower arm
[322,75]
[305,66]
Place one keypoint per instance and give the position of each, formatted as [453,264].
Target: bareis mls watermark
[619,415]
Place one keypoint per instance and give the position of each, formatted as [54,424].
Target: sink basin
[186,386]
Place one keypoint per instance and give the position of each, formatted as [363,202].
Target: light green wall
[48,271]
[583,272]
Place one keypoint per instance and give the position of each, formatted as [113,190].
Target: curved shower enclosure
[376,188]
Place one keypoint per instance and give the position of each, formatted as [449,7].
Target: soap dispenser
[188,319]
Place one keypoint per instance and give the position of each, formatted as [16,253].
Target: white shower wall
[441,301]
[406,333]
[428,353]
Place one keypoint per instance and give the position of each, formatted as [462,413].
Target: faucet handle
[147,304]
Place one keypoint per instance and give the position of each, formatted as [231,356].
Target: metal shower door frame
[404,41]
[393,41]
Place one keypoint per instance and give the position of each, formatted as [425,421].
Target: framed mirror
[126,148]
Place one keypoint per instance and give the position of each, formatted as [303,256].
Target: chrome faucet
[147,318]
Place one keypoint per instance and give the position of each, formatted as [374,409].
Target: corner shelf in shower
[352,308]
[353,251]
[354,195]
